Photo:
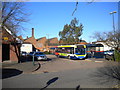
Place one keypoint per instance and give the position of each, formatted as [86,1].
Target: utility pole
[48,42]
[48,39]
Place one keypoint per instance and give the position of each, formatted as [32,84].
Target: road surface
[61,73]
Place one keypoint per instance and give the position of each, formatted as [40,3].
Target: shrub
[117,55]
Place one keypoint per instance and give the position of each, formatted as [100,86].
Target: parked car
[24,54]
[109,55]
[31,53]
[40,56]
[37,56]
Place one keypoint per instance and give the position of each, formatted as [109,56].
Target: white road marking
[99,61]
[88,60]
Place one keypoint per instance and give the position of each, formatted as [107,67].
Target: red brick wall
[0,45]
[54,40]
[0,52]
[43,41]
[13,56]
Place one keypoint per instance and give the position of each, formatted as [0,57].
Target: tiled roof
[41,38]
[53,38]
[20,37]
[31,40]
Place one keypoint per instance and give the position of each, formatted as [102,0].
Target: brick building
[53,41]
[10,46]
[42,44]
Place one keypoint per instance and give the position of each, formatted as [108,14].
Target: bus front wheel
[68,57]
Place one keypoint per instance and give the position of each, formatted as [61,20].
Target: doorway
[5,52]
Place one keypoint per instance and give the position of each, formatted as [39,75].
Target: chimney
[32,32]
[27,37]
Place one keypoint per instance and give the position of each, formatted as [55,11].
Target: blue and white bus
[77,51]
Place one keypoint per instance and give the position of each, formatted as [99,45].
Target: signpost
[33,59]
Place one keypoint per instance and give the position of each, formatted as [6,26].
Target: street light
[112,13]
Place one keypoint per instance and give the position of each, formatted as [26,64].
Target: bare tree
[13,15]
[111,39]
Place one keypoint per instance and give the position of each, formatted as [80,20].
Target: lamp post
[112,13]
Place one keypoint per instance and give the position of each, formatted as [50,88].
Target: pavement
[25,67]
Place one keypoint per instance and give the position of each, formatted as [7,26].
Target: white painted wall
[26,48]
[99,48]
[105,46]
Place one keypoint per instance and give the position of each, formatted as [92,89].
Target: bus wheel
[68,57]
